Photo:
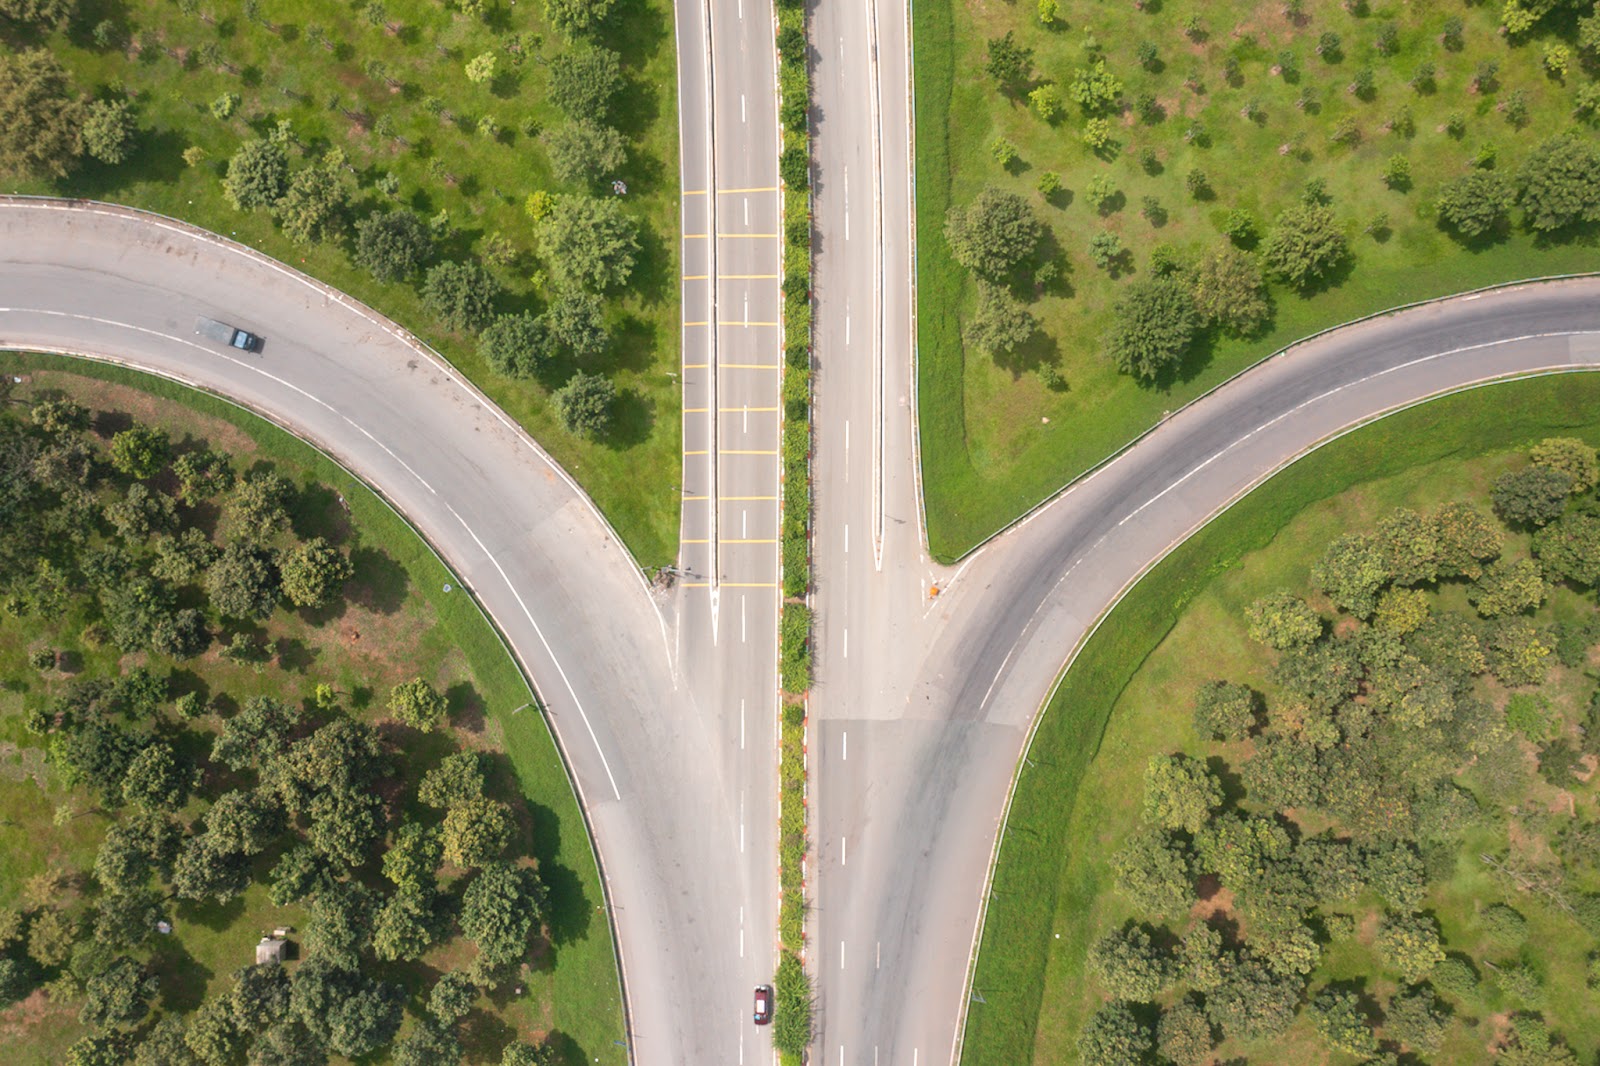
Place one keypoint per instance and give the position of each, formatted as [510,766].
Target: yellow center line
[764,188]
[696,584]
[749,585]
[694,277]
[695,410]
[686,541]
[695,236]
[746,277]
[748,366]
[743,451]
[688,498]
[695,366]
[694,192]
[747,236]
[697,324]
[726,499]
[702,452]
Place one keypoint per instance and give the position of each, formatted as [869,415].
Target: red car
[763,1013]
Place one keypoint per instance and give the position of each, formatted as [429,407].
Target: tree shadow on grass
[635,108]
[183,977]
[484,1035]
[380,584]
[653,273]
[633,415]
[565,1051]
[464,707]
[636,31]
[1030,355]
[633,344]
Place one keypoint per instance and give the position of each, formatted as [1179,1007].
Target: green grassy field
[398,622]
[385,120]
[995,438]
[1129,691]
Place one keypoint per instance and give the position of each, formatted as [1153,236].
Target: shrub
[994,233]
[1154,325]
[584,403]
[1475,203]
[1305,245]
[461,293]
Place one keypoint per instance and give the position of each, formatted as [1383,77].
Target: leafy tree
[140,452]
[584,80]
[590,242]
[1409,944]
[1336,1015]
[1516,654]
[520,1054]
[457,779]
[1402,611]
[164,1045]
[583,152]
[243,822]
[584,403]
[104,1049]
[206,871]
[340,757]
[1009,64]
[259,504]
[1570,456]
[1237,848]
[1504,925]
[340,926]
[258,175]
[1129,964]
[1154,324]
[575,18]
[1352,571]
[366,1019]
[500,909]
[1114,1036]
[515,345]
[1229,291]
[313,206]
[1532,496]
[109,131]
[314,572]
[1558,184]
[1569,548]
[994,233]
[255,734]
[575,322]
[1476,203]
[211,1035]
[392,245]
[1410,547]
[244,582]
[1465,538]
[298,875]
[118,995]
[1509,586]
[1000,324]
[418,704]
[345,823]
[157,779]
[39,14]
[44,113]
[122,863]
[1305,245]
[1282,773]
[462,294]
[1183,1035]
[475,831]
[429,1043]
[1179,792]
[1283,620]
[1226,711]
[1153,871]
[142,513]
[1095,89]
[1416,1018]
[260,996]
[1251,1002]
[287,1043]
[480,68]
[452,997]
[408,924]
[414,855]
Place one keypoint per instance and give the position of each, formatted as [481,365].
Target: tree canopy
[42,134]
[994,233]
[590,242]
[1154,325]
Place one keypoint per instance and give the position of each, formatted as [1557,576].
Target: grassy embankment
[1128,693]
[395,98]
[399,623]
[996,439]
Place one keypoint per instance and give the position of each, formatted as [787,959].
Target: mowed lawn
[995,438]
[398,623]
[396,99]
[1129,694]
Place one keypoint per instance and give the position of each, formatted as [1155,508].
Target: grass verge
[1039,882]
[576,990]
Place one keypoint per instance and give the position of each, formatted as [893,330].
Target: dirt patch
[180,422]
[36,1009]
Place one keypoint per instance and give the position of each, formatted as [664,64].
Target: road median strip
[792,1022]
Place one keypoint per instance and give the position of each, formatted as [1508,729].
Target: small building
[270,949]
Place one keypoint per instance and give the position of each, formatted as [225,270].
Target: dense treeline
[170,557]
[1407,746]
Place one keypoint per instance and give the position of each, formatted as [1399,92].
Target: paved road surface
[515,529]
[728,591]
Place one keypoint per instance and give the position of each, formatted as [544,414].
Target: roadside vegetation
[239,695]
[1358,709]
[498,178]
[792,1017]
[1120,206]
